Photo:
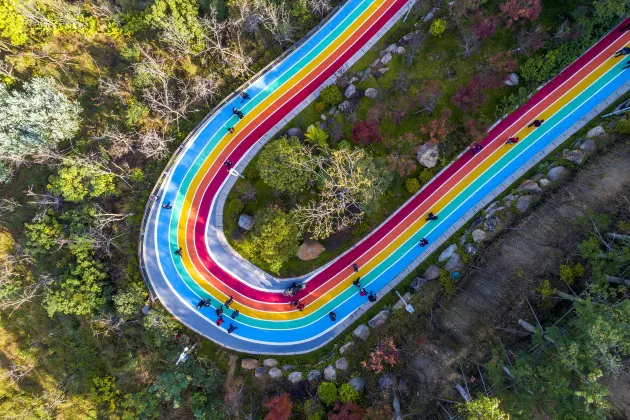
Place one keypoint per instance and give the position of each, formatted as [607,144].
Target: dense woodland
[96,95]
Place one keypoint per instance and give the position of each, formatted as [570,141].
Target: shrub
[546,290]
[331,95]
[320,107]
[425,176]
[438,26]
[412,185]
[6,173]
[447,283]
[569,273]
[622,126]
[278,164]
[231,212]
[347,393]
[327,392]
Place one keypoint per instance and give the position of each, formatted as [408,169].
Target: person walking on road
[167,206]
[231,130]
[238,113]
[234,314]
[424,242]
[300,306]
[476,148]
[229,302]
[244,96]
[363,292]
[232,329]
[355,267]
[333,316]
[431,217]
[512,140]
[622,52]
[228,164]
[220,321]
[372,297]
[219,310]
[357,282]
[536,123]
[201,304]
[179,251]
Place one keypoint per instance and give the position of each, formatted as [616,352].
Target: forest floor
[494,294]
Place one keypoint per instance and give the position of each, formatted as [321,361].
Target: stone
[323,117]
[403,387]
[358,383]
[310,250]
[575,156]
[385,381]
[557,173]
[351,90]
[428,155]
[544,182]
[270,363]
[491,223]
[366,74]
[371,93]
[380,72]
[588,146]
[342,364]
[494,210]
[313,375]
[354,79]
[348,346]
[245,221]
[470,249]
[400,50]
[454,263]
[511,79]
[386,58]
[361,332]
[446,254]
[295,377]
[523,203]
[428,17]
[249,364]
[391,48]
[417,283]
[375,62]
[530,186]
[596,132]
[295,132]
[343,107]
[330,374]
[378,319]
[287,368]
[478,235]
[477,223]
[432,272]
[260,372]
[399,304]
[275,373]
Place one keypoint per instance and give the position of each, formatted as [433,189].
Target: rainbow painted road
[196,182]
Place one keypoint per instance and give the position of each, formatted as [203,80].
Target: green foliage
[104,392]
[623,126]
[412,185]
[438,26]
[483,408]
[313,410]
[425,176]
[331,95]
[609,12]
[178,16]
[130,300]
[278,165]
[169,387]
[135,112]
[316,136]
[35,118]
[273,240]
[231,212]
[327,392]
[137,175]
[348,393]
[43,236]
[569,273]
[13,26]
[6,173]
[77,183]
[540,68]
[447,283]
[546,290]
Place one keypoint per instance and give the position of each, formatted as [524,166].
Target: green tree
[178,19]
[316,136]
[483,408]
[278,165]
[347,393]
[35,118]
[44,236]
[76,183]
[13,26]
[273,240]
[438,26]
[169,387]
[327,392]
[331,95]
[130,300]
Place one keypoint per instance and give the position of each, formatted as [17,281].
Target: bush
[327,392]
[569,273]
[438,26]
[277,163]
[412,185]
[320,107]
[622,126]
[447,283]
[347,393]
[6,173]
[331,95]
[425,176]
[231,211]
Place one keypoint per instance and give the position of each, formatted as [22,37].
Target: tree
[169,387]
[476,129]
[179,23]
[521,11]
[76,183]
[279,407]
[532,40]
[438,26]
[347,411]
[273,240]
[384,353]
[469,43]
[462,10]
[438,129]
[316,136]
[366,132]
[347,393]
[331,95]
[429,96]
[281,163]
[471,96]
[35,119]
[13,25]
[483,408]
[319,7]
[402,150]
[327,392]
[484,26]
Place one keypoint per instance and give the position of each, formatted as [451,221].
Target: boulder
[295,377]
[378,319]
[287,368]
[575,156]
[399,304]
[323,118]
[310,250]
[275,373]
[330,374]
[454,263]
[348,346]
[358,383]
[376,62]
[391,48]
[295,132]
[557,173]
[511,79]
[417,283]
[400,50]
[270,363]
[341,364]
[351,90]
[386,58]
[530,186]
[371,93]
[249,364]
[478,235]
[494,210]
[245,221]
[344,106]
[260,372]
[354,80]
[366,74]
[446,254]
[313,375]
[470,249]
[491,223]
[596,132]
[477,223]
[428,17]
[361,332]
[544,182]
[588,146]
[428,155]
[332,110]
[432,272]
[380,72]
[385,381]
[524,202]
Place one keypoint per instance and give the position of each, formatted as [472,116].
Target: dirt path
[493,294]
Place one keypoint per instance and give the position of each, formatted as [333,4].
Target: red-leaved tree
[402,153]
[366,132]
[384,353]
[484,26]
[521,11]
[439,128]
[347,411]
[279,407]
[476,129]
[471,96]
[503,62]
[531,40]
